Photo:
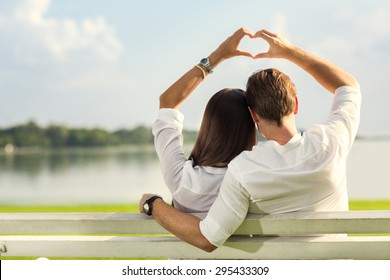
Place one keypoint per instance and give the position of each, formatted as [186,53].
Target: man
[289,171]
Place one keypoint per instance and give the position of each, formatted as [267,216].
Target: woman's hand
[230,47]
[178,92]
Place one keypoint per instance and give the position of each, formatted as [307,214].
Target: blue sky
[104,63]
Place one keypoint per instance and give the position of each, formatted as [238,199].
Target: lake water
[123,174]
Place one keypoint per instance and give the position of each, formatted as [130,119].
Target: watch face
[146,208]
[204,61]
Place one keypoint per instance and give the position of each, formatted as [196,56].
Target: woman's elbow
[163,101]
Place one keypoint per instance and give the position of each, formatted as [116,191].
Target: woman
[227,129]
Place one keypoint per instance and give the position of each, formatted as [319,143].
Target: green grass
[369,205]
[353,205]
[69,208]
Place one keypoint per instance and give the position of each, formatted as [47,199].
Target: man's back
[306,174]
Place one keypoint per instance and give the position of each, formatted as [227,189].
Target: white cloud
[368,38]
[57,69]
[336,49]
[279,24]
[36,37]
[368,28]
[31,11]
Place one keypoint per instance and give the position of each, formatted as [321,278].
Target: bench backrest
[134,235]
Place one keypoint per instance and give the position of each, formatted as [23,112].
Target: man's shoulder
[245,158]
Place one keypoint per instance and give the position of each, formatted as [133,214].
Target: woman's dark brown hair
[227,129]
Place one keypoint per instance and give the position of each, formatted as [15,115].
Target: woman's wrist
[215,58]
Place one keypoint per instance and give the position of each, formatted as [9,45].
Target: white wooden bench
[133,235]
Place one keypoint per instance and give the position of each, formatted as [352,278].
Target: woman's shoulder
[203,170]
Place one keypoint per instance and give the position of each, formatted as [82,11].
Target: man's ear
[255,117]
[296,105]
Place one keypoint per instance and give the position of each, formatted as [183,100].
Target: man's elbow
[210,248]
[207,246]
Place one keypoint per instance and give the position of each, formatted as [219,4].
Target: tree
[29,135]
[58,135]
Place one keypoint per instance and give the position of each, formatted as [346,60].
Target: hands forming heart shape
[279,47]
[252,46]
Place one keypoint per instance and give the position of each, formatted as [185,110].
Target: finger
[144,197]
[269,33]
[265,32]
[264,35]
[244,53]
[262,55]
[247,32]
[241,32]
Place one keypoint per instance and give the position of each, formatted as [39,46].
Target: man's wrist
[156,206]
[297,56]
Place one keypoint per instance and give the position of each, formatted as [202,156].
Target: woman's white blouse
[193,188]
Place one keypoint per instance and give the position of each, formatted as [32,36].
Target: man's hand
[183,225]
[145,197]
[326,73]
[279,47]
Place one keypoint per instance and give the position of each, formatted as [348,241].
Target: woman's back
[226,131]
[193,188]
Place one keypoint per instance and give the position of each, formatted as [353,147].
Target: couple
[228,174]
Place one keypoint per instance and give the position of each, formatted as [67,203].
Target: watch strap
[205,62]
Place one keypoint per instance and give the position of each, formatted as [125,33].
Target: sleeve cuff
[168,118]
[168,114]
[209,228]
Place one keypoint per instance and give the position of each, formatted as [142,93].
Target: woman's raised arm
[175,95]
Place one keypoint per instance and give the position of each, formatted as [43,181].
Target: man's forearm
[183,225]
[324,72]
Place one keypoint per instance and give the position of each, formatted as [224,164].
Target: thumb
[244,53]
[262,55]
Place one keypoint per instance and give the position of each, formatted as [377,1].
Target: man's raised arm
[326,73]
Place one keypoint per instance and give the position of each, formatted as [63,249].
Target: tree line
[31,134]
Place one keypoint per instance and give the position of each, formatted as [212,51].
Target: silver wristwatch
[205,62]
[148,205]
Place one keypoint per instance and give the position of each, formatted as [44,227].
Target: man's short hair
[271,94]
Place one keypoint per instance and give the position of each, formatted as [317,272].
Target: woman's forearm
[175,95]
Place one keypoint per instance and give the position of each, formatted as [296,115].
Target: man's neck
[281,134]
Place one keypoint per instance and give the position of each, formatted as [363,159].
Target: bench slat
[238,247]
[31,235]
[135,223]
